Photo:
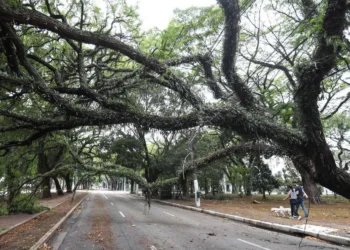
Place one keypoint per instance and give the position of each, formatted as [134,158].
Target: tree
[262,178]
[81,71]
[337,129]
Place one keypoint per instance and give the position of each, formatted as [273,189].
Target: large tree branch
[57,75]
[309,8]
[338,107]
[310,77]
[9,50]
[232,16]
[254,126]
[168,82]
[234,118]
[241,149]
[206,63]
[274,66]
[25,16]
[183,60]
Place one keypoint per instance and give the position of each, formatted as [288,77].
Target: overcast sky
[158,13]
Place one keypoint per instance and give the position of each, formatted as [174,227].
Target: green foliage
[311,27]
[128,151]
[3,210]
[191,31]
[25,203]
[143,100]
[262,178]
[337,124]
[290,175]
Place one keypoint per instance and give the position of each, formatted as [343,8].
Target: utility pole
[197,192]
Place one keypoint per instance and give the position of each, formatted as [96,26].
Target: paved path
[110,220]
[9,221]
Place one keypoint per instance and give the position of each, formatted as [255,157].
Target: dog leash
[308,214]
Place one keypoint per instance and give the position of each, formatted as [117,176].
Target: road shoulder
[345,241]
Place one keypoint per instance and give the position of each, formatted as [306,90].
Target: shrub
[3,210]
[24,203]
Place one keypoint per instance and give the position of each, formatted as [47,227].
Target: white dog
[281,210]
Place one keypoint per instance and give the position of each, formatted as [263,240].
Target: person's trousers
[293,207]
[301,203]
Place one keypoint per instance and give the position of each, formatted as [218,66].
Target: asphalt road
[112,220]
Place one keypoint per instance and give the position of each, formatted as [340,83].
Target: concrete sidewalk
[8,222]
[330,234]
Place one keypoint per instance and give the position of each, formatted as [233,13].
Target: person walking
[300,200]
[292,195]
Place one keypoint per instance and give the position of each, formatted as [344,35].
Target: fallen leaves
[29,233]
[101,233]
[45,247]
[335,213]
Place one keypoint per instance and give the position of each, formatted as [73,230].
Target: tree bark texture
[303,165]
[42,169]
[311,189]
[132,184]
[184,187]
[68,181]
[46,187]
[58,186]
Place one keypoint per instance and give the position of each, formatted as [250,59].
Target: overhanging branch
[232,16]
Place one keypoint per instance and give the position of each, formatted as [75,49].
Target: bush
[24,203]
[3,210]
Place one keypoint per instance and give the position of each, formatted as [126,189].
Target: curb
[29,219]
[266,225]
[53,229]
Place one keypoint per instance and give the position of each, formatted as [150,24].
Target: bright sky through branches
[158,13]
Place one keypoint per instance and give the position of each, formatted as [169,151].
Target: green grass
[3,210]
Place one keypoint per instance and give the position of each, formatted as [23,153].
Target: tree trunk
[108,182]
[329,175]
[45,184]
[132,183]
[306,97]
[206,186]
[151,174]
[11,189]
[85,185]
[264,195]
[248,188]
[43,168]
[240,188]
[58,186]
[311,189]
[68,183]
[309,183]
[234,187]
[184,187]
